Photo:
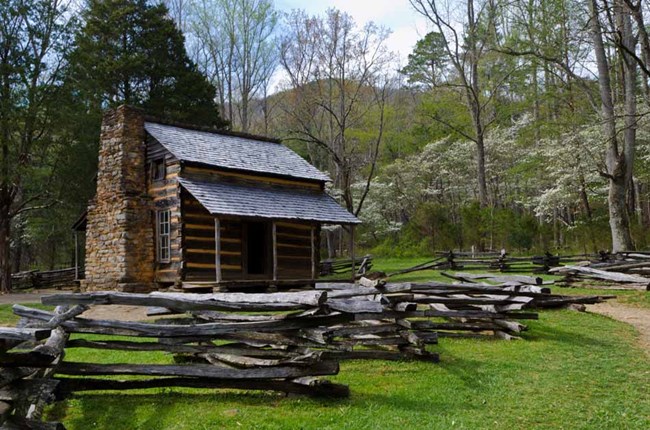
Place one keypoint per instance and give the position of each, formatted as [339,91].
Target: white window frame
[163,236]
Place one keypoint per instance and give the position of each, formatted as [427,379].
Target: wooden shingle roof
[233,152]
[221,198]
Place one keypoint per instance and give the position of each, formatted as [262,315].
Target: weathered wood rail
[362,265]
[467,309]
[502,262]
[278,341]
[26,383]
[625,271]
[58,279]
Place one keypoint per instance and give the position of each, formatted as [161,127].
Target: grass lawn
[572,371]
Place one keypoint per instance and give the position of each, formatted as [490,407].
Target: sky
[397,15]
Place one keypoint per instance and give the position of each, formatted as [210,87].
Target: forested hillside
[519,125]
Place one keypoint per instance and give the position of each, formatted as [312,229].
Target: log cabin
[185,206]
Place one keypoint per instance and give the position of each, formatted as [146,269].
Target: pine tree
[129,51]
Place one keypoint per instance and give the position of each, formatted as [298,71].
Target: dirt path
[638,317]
[112,312]
[35,297]
[118,312]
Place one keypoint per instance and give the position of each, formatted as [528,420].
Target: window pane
[163,240]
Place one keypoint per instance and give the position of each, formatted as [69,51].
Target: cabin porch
[237,235]
[249,253]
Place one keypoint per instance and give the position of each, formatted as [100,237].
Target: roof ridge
[210,129]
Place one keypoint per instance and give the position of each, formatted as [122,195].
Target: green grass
[7,317]
[572,371]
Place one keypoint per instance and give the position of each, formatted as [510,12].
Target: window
[163,244]
[158,171]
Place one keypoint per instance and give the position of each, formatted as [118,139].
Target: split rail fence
[275,341]
[57,279]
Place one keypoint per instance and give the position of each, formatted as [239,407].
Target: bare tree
[619,156]
[464,49]
[178,11]
[337,80]
[233,43]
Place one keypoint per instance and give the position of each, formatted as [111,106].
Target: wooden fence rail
[277,341]
[455,260]
[58,279]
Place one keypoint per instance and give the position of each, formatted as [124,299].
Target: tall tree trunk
[475,105]
[19,246]
[644,41]
[628,43]
[244,112]
[584,198]
[615,161]
[5,239]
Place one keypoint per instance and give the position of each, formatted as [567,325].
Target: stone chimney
[120,229]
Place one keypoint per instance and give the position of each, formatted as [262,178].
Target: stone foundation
[120,229]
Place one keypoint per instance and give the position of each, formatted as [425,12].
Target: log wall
[166,195]
[295,249]
[193,251]
[293,243]
[199,243]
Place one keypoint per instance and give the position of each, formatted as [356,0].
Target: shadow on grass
[573,336]
[462,368]
[155,409]
[112,411]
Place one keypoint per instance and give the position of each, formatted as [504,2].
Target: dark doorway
[258,248]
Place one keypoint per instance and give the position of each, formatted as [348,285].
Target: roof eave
[307,220]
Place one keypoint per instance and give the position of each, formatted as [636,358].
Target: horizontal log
[476,314]
[244,362]
[235,349]
[601,274]
[522,279]
[349,330]
[355,306]
[186,302]
[24,334]
[424,298]
[430,325]
[198,370]
[381,355]
[624,266]
[208,330]
[372,340]
[232,317]
[323,389]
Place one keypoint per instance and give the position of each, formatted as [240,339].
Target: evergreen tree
[427,64]
[129,51]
